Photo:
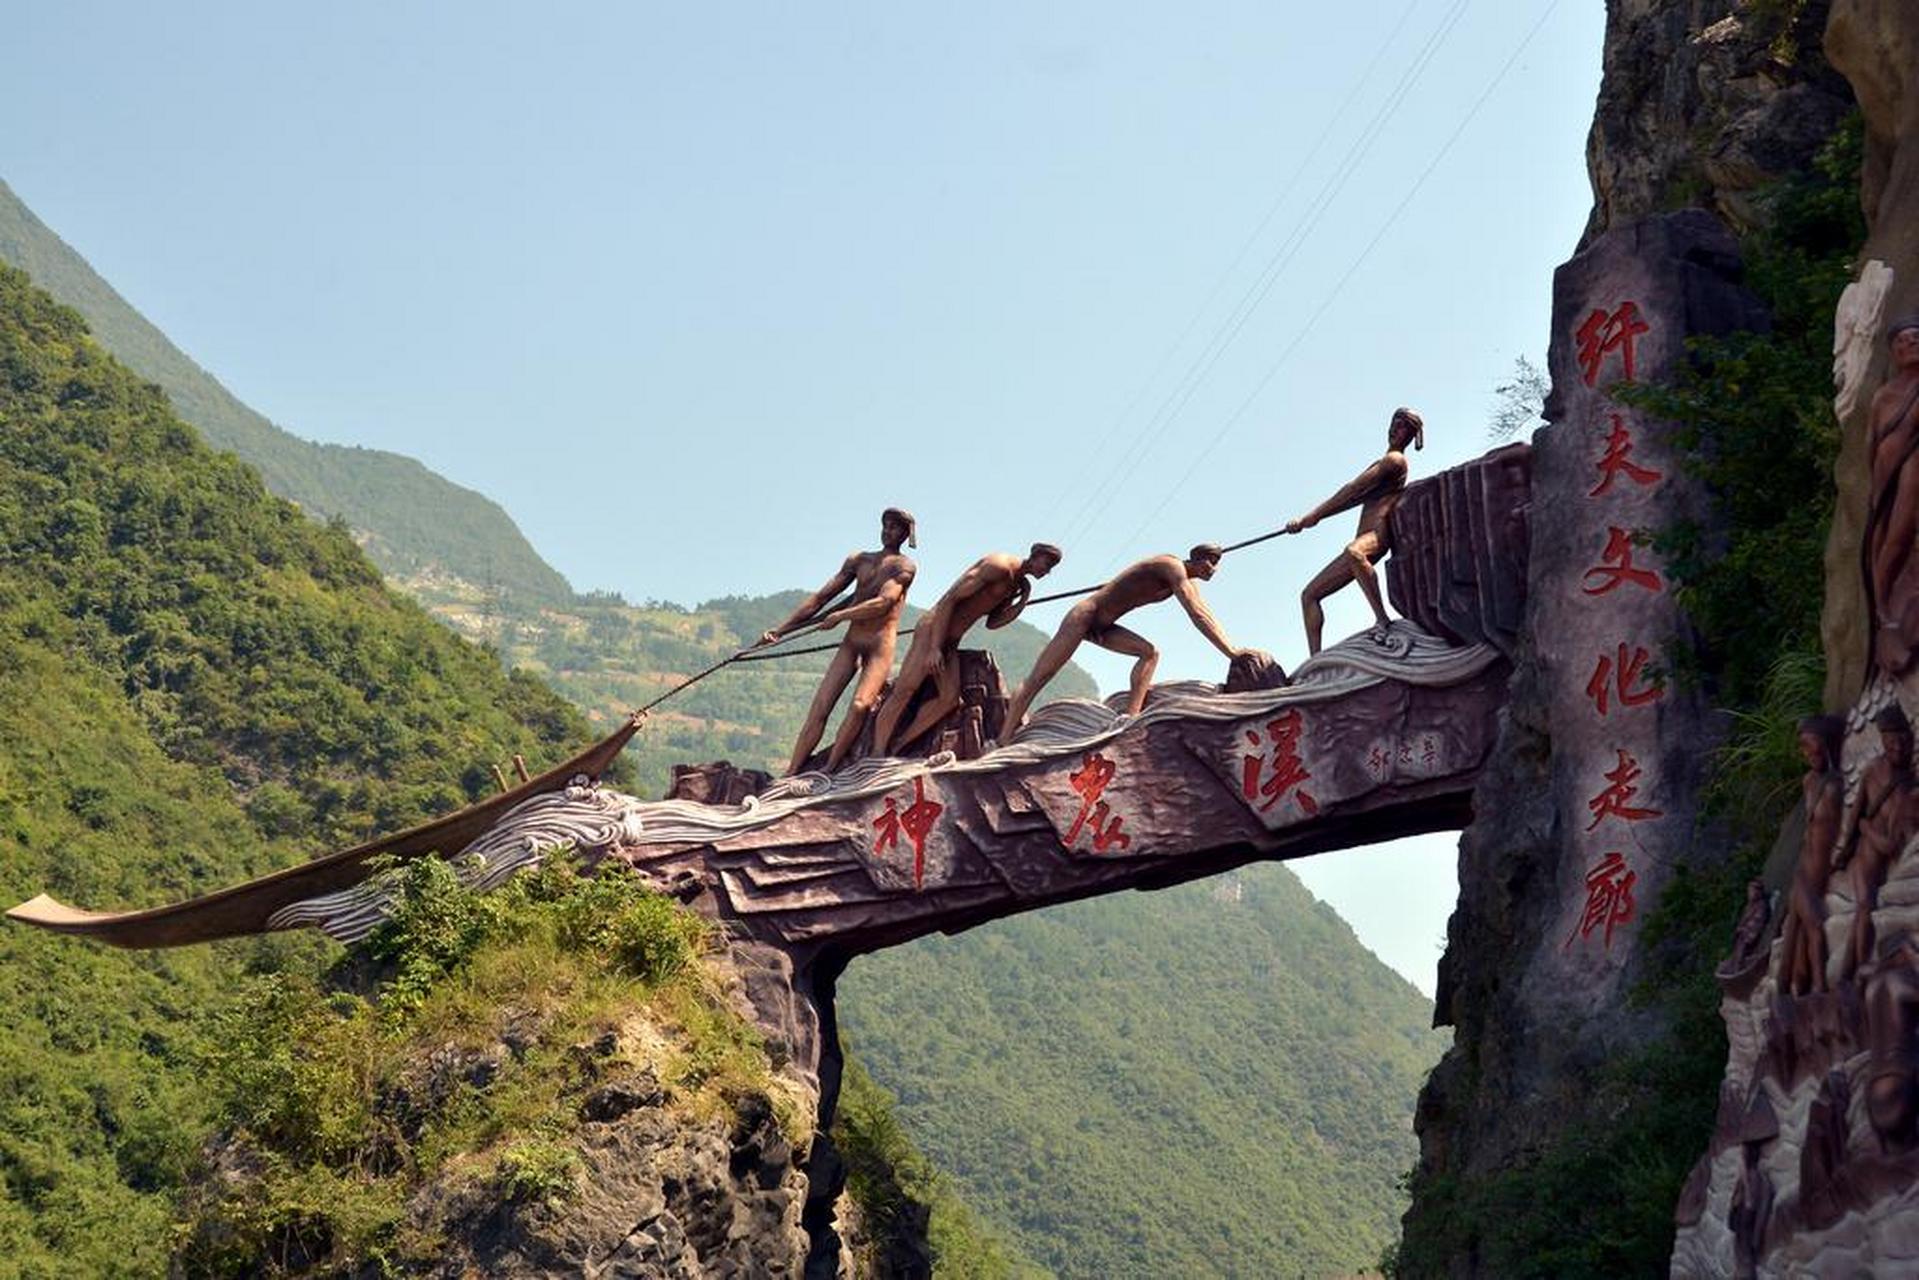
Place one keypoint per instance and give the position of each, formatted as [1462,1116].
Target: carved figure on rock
[1096,618]
[994,588]
[1888,807]
[1375,491]
[1892,522]
[1855,329]
[872,616]
[1802,963]
[1749,935]
[1892,1044]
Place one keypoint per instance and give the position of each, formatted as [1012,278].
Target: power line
[1391,220]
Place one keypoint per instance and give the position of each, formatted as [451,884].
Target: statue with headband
[1892,522]
[995,588]
[1376,491]
[872,616]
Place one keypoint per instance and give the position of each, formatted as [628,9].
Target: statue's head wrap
[905,517]
[1900,325]
[1413,420]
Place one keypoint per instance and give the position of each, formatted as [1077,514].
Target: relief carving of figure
[1892,521]
[1375,491]
[1855,328]
[1802,964]
[1892,1044]
[872,616]
[1096,618]
[1888,807]
[996,589]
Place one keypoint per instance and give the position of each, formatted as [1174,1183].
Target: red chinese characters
[1605,332]
[1609,900]
[917,822]
[1622,678]
[1090,780]
[1616,567]
[1615,801]
[1617,461]
[1287,770]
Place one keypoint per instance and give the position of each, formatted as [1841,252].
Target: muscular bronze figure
[1376,491]
[996,589]
[1892,1062]
[872,616]
[1892,522]
[1096,618]
[1802,964]
[1888,807]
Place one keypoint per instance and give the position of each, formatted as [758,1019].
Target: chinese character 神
[1618,566]
[1610,679]
[1090,780]
[1288,771]
[1616,800]
[1609,900]
[917,822]
[1602,334]
[1378,760]
[1618,461]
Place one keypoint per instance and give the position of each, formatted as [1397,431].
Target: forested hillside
[410,519]
[197,682]
[1095,1168]
[1210,1080]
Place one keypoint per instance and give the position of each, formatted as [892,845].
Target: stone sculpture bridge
[1378,737]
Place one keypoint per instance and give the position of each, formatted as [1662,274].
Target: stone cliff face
[1876,44]
[1705,102]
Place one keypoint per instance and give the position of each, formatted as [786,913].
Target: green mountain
[197,683]
[410,519]
[1103,1170]
[1215,1079]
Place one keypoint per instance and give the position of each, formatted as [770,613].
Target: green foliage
[412,519]
[1754,416]
[338,1104]
[891,1182]
[197,684]
[1209,1080]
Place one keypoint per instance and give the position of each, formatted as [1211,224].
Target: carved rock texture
[1703,103]
[1541,1003]
[1876,44]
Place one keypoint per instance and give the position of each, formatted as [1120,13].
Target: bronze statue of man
[1376,491]
[1892,521]
[1802,963]
[1096,618]
[872,616]
[996,589]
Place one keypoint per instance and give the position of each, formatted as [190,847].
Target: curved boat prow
[246,908]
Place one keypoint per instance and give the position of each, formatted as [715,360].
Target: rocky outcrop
[1875,43]
[1706,102]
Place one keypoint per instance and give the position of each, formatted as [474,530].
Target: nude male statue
[996,589]
[1096,618]
[1376,491]
[1892,523]
[1802,964]
[872,616]
[1888,810]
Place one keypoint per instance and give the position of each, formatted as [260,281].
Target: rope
[772,652]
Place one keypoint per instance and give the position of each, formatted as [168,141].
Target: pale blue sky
[694,291]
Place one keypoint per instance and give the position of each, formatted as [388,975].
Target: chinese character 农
[1617,566]
[1090,781]
[1610,679]
[917,822]
[1288,770]
[1602,334]
[1618,462]
[1609,900]
[1616,800]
